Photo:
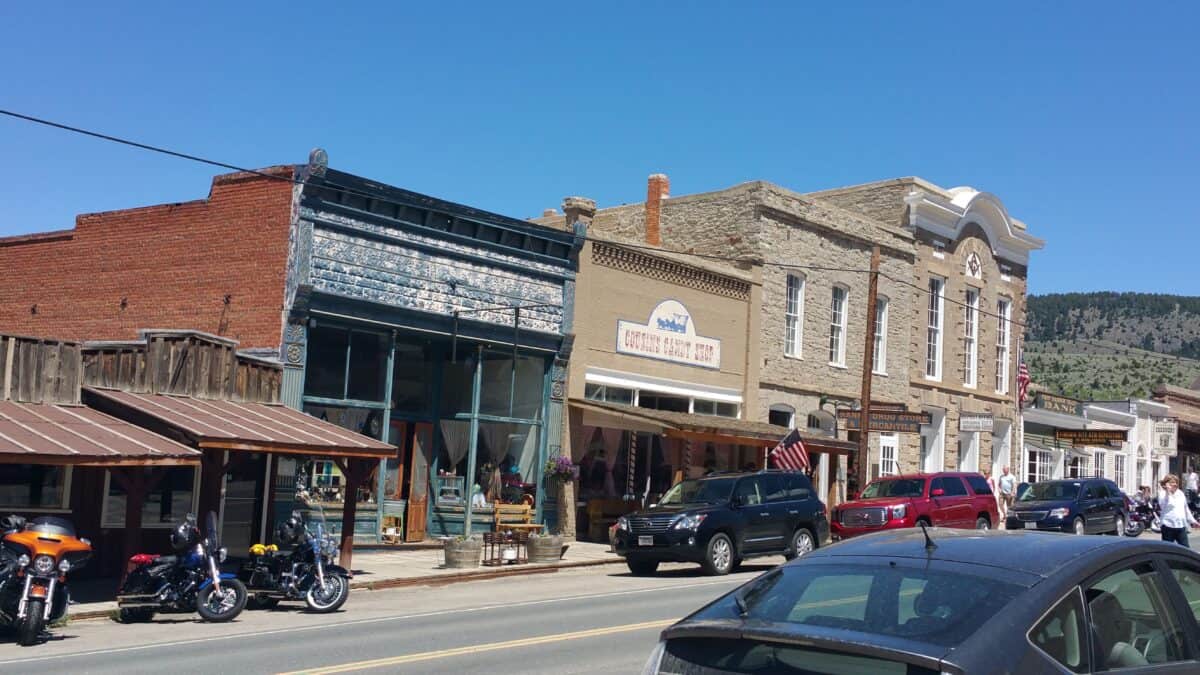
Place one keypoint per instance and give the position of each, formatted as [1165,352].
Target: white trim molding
[947,218]
[616,378]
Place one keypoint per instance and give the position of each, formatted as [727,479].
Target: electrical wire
[351,191]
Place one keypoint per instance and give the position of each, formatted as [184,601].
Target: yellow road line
[460,651]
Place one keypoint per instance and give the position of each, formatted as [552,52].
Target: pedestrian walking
[1192,483]
[1008,493]
[1176,517]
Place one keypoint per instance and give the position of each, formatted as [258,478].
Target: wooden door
[418,493]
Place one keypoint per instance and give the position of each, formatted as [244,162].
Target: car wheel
[802,542]
[1119,530]
[982,523]
[642,568]
[1077,527]
[718,559]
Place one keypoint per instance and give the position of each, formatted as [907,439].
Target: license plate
[1031,526]
[646,540]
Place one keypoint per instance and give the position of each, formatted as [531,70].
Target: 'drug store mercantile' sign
[669,335]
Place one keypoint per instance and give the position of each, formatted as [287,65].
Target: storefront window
[325,369]
[36,486]
[457,382]
[368,366]
[172,498]
[717,408]
[412,379]
[662,402]
[512,394]
[507,461]
[600,392]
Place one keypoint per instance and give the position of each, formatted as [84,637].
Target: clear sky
[1081,117]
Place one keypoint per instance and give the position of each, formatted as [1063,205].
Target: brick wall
[165,266]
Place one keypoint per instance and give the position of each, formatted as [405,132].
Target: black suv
[1079,505]
[722,519]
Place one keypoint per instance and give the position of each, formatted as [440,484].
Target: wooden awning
[39,433]
[704,428]
[232,425]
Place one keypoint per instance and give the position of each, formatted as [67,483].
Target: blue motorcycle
[189,581]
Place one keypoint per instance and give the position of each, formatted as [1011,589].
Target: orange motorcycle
[36,557]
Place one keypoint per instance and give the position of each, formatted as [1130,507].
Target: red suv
[939,499]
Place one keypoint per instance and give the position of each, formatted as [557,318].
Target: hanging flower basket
[561,469]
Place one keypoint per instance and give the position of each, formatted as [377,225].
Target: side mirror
[937,492]
[654,505]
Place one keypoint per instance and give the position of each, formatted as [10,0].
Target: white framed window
[879,365]
[889,445]
[933,334]
[1039,467]
[1098,463]
[837,326]
[1003,331]
[782,415]
[1119,470]
[794,320]
[971,337]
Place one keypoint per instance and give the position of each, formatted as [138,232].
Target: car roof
[936,474]
[1038,553]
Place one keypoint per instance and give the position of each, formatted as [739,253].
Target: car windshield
[898,487]
[699,491]
[1049,492]
[929,605]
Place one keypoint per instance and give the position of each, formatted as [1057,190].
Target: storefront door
[245,490]
[418,493]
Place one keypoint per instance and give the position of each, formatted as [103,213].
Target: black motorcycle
[189,581]
[305,572]
[1143,515]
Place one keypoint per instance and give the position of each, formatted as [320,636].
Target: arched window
[782,414]
[821,421]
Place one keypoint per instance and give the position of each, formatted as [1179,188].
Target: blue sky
[1081,117]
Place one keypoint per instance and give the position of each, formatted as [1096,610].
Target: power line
[350,191]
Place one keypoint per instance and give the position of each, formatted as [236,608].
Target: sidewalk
[378,569]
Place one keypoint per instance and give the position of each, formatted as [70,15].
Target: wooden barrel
[464,553]
[545,549]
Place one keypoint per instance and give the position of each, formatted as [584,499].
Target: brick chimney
[658,188]
[548,213]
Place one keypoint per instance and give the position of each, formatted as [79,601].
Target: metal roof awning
[40,433]
[698,427]
[232,425]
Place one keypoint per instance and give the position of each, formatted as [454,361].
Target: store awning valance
[698,427]
[38,433]
[232,425]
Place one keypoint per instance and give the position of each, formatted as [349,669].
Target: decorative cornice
[653,267]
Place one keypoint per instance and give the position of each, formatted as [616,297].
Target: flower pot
[547,549]
[463,553]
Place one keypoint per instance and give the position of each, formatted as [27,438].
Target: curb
[428,580]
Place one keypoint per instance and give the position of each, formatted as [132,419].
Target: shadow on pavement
[696,572]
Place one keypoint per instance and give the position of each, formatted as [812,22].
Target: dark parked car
[1079,505]
[981,603]
[720,520]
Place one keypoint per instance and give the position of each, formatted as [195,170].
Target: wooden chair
[393,530]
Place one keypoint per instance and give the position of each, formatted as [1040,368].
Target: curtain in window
[612,447]
[456,434]
[581,437]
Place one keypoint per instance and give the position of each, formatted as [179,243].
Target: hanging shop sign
[669,335]
[976,422]
[900,421]
[1165,438]
[1058,404]
[1114,437]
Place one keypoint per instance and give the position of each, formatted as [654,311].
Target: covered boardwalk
[629,456]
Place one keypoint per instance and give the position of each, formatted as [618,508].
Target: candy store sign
[669,335]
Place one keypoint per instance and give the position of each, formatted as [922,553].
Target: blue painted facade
[409,274]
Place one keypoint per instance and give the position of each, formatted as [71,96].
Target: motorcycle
[190,581]
[306,572]
[37,556]
[1144,515]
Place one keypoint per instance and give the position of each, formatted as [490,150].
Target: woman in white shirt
[1176,518]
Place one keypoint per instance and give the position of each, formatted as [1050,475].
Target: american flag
[1023,380]
[790,454]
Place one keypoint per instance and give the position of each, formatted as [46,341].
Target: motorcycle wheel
[138,615]
[30,628]
[224,606]
[1134,529]
[331,596]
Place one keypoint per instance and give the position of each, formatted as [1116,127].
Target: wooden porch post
[136,485]
[354,470]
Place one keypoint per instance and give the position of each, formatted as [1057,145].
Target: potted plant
[462,551]
[545,548]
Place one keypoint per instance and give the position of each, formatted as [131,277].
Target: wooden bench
[513,516]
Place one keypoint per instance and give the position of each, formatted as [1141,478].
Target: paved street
[579,621]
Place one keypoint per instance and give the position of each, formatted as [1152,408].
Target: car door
[754,514]
[961,512]
[1091,508]
[1107,508]
[784,513]
[943,504]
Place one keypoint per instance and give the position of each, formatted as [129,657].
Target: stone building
[812,312]
[971,269]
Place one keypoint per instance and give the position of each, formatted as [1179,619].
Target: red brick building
[216,265]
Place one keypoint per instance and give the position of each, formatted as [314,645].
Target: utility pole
[864,426]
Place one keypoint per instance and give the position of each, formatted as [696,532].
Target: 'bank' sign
[669,335]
